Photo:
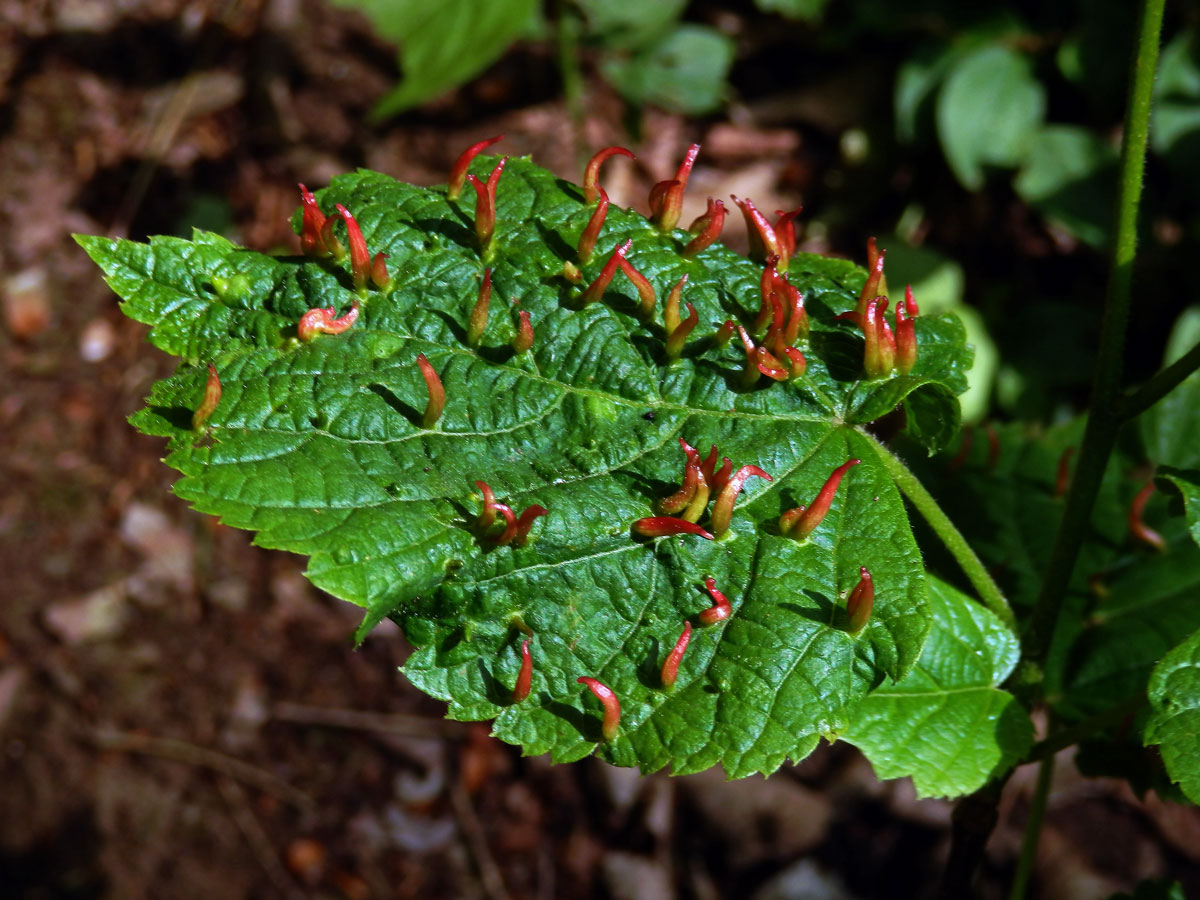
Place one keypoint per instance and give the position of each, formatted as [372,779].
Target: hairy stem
[1160,385]
[1104,417]
[989,592]
[1033,830]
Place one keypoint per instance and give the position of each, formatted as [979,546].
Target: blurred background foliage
[979,141]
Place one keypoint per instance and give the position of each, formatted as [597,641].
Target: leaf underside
[319,448]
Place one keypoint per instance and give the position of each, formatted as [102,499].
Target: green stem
[1033,829]
[1160,385]
[989,593]
[1104,417]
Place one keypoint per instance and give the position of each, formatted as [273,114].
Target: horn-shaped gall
[678,501]
[321,321]
[591,174]
[724,333]
[311,241]
[906,335]
[671,308]
[670,667]
[770,366]
[525,676]
[437,393]
[797,323]
[677,337]
[1140,529]
[487,516]
[722,512]
[596,289]
[797,365]
[485,207]
[785,233]
[666,197]
[707,228]
[591,231]
[874,286]
[720,609]
[879,349]
[665,526]
[458,173]
[770,310]
[212,396]
[523,339]
[525,523]
[644,288]
[379,272]
[764,243]
[479,312]
[360,256]
[800,522]
[861,601]
[612,707]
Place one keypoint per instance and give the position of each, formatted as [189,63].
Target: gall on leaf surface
[319,449]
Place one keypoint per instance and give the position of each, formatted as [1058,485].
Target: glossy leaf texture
[1174,724]
[320,449]
[948,724]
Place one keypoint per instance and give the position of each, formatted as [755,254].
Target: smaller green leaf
[1188,484]
[1174,692]
[947,723]
[1149,607]
[988,112]
[1069,177]
[916,83]
[802,10]
[443,44]
[632,25]
[1171,428]
[685,72]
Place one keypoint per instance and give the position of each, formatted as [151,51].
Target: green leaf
[1148,608]
[1069,176]
[1187,482]
[1174,692]
[947,723]
[443,44]
[319,448]
[802,10]
[1171,428]
[683,72]
[632,25]
[988,112]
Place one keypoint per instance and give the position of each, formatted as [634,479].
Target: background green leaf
[1174,692]
[443,44]
[1171,428]
[988,112]
[1069,176]
[947,723]
[683,72]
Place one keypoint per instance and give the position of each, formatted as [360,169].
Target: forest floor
[181,713]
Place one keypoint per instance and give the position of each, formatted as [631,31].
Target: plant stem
[1160,385]
[1104,418]
[1033,829]
[989,592]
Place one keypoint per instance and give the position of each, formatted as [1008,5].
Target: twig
[243,816]
[184,752]
[1033,829]
[468,823]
